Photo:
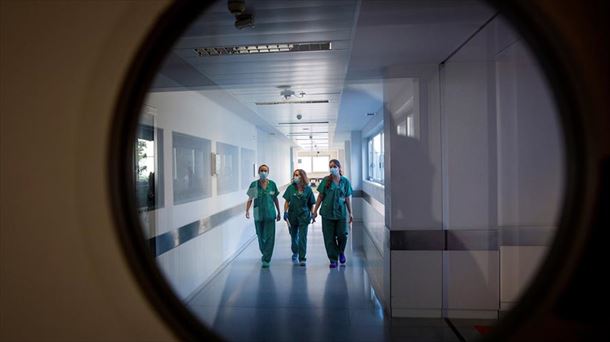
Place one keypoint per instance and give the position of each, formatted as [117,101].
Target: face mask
[296,180]
[334,171]
[262,175]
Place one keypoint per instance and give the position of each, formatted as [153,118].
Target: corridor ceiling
[337,85]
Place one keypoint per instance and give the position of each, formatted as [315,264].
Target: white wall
[530,161]
[375,236]
[275,152]
[193,113]
[503,167]
[413,169]
[190,265]
[469,154]
[410,167]
[486,160]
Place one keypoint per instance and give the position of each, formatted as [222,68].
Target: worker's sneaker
[295,258]
[342,258]
[303,263]
[333,264]
[265,264]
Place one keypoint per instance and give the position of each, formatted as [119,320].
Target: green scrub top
[300,203]
[264,207]
[333,204]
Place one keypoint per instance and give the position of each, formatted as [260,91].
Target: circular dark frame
[557,270]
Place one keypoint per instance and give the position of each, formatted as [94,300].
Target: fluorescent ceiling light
[263,48]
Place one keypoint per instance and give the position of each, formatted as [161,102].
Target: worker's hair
[304,179]
[265,165]
[329,178]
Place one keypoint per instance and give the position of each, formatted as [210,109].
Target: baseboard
[505,306]
[472,314]
[416,313]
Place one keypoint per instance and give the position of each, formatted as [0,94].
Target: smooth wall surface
[530,164]
[483,165]
[64,275]
[503,170]
[190,265]
[193,113]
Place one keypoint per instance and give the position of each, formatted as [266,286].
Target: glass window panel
[375,153]
[149,168]
[381,154]
[410,126]
[305,164]
[371,160]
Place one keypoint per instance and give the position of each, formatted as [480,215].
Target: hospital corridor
[303,170]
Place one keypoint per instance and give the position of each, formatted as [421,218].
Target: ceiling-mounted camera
[243,21]
[287,93]
[236,7]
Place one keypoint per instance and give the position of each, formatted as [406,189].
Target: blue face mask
[296,180]
[334,171]
[263,175]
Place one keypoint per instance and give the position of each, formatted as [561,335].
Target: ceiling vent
[263,48]
[304,123]
[308,134]
[290,102]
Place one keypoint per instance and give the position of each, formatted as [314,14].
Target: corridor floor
[288,302]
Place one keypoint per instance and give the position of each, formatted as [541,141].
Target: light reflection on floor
[293,303]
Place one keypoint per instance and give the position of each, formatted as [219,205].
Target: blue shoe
[342,258]
[295,258]
[265,264]
[333,264]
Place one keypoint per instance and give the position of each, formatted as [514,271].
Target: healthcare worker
[297,211]
[334,195]
[264,193]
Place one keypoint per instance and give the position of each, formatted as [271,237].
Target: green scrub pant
[265,231]
[335,237]
[298,238]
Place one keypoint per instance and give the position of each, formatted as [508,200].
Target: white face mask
[334,171]
[263,175]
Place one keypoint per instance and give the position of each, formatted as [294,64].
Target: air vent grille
[290,102]
[263,48]
[304,123]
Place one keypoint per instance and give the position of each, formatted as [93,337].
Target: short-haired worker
[264,193]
